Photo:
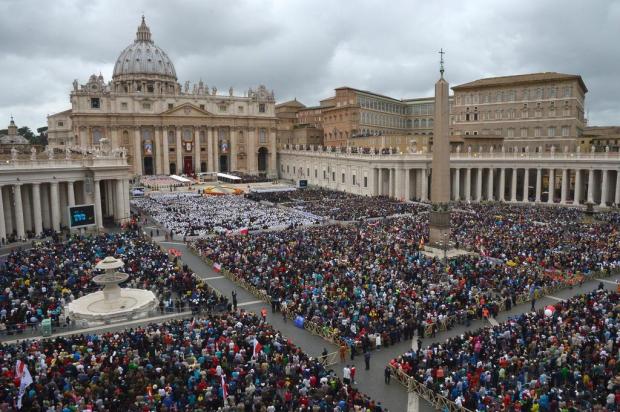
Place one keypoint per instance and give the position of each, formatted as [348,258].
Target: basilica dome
[143,58]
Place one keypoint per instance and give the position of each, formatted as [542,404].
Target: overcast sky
[305,49]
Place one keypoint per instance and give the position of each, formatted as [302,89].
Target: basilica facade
[166,127]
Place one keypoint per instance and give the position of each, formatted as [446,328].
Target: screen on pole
[81,216]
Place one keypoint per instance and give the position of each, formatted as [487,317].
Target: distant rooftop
[520,79]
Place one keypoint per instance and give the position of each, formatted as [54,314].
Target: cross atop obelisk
[441,53]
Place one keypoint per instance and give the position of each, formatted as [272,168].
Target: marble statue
[75,85]
[33,154]
[67,153]
[230,91]
[214,91]
[13,153]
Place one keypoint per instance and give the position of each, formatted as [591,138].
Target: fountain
[112,303]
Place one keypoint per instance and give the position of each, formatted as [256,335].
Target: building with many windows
[168,128]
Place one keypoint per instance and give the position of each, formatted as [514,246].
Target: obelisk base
[440,229]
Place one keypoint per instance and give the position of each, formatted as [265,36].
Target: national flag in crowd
[257,348]
[244,231]
[217,267]
[25,379]
[224,389]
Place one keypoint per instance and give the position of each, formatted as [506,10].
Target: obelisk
[440,178]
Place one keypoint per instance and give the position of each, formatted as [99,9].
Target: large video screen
[81,216]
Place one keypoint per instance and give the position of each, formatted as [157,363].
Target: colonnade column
[479,185]
[457,184]
[490,184]
[424,195]
[564,191]
[617,197]
[98,212]
[526,185]
[551,190]
[538,184]
[407,184]
[513,184]
[604,188]
[158,152]
[590,186]
[36,203]
[468,185]
[55,206]
[502,184]
[391,183]
[578,187]
[2,224]
[380,182]
[197,151]
[119,202]
[179,151]
[166,152]
[19,212]
[137,149]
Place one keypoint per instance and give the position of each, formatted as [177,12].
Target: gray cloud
[306,48]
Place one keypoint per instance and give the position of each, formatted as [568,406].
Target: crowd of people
[223,362]
[563,358]
[338,205]
[36,283]
[372,278]
[190,214]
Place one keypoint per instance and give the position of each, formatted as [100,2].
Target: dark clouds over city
[305,49]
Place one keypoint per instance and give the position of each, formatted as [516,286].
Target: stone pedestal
[439,228]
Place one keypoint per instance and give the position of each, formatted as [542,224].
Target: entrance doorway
[148,165]
[224,163]
[262,159]
[187,165]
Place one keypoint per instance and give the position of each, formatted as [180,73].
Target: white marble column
[538,184]
[119,207]
[407,184]
[526,185]
[19,212]
[210,158]
[380,182]
[233,149]
[137,152]
[578,187]
[98,212]
[457,184]
[273,153]
[391,183]
[617,195]
[45,206]
[502,184]
[591,186]
[166,152]
[424,194]
[513,184]
[126,207]
[158,152]
[551,190]
[479,184]
[604,188]
[70,194]
[490,184]
[27,204]
[197,153]
[36,205]
[564,188]
[468,184]
[179,152]
[7,205]
[2,223]
[55,203]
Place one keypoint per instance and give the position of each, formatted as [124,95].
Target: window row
[539,93]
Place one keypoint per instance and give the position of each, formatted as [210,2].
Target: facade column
[617,195]
[604,188]
[564,190]
[578,187]
[273,153]
[19,212]
[591,186]
[126,207]
[457,184]
[526,185]
[197,153]
[513,184]
[233,149]
[210,159]
[36,204]
[119,207]
[538,184]
[502,184]
[179,152]
[158,151]
[98,212]
[216,153]
[166,152]
[424,194]
[2,224]
[251,151]
[55,203]
[83,137]
[551,190]
[479,185]
[70,194]
[490,184]
[468,185]
[137,155]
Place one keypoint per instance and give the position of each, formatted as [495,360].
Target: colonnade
[37,206]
